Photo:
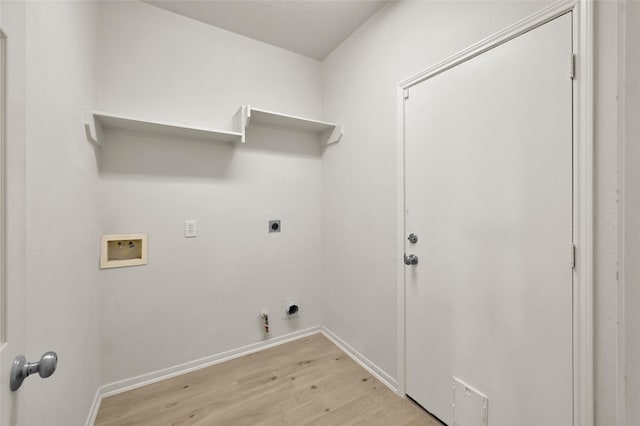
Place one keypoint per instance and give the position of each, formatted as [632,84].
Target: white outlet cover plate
[190,228]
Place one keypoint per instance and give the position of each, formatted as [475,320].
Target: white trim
[187,367]
[3,187]
[583,409]
[621,268]
[527,24]
[583,397]
[401,232]
[95,407]
[371,367]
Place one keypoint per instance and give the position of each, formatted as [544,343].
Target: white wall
[359,174]
[61,199]
[203,296]
[631,182]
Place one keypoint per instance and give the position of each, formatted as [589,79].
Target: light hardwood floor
[305,382]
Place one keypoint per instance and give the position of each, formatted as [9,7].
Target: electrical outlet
[190,228]
[274,226]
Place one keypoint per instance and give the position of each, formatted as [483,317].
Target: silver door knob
[412,259]
[21,369]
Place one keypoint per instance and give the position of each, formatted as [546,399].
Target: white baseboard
[95,406]
[371,367]
[187,367]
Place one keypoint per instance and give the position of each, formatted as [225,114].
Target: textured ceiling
[313,28]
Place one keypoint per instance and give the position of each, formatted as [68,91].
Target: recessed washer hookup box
[121,250]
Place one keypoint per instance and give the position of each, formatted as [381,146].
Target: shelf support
[93,129]
[241,121]
[334,135]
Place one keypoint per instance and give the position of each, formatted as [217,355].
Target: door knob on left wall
[21,369]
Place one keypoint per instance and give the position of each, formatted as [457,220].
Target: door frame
[3,234]
[583,387]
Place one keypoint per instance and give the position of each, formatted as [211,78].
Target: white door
[488,172]
[12,234]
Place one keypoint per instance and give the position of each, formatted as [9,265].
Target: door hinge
[405,92]
[572,255]
[572,67]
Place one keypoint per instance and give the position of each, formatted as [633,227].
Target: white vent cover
[470,407]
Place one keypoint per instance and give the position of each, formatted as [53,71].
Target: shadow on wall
[159,155]
[285,142]
[140,154]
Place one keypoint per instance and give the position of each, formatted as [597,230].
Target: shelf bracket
[93,129]
[334,135]
[241,121]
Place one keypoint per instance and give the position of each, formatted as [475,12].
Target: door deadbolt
[411,259]
[413,238]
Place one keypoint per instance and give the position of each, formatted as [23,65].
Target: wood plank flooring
[309,381]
